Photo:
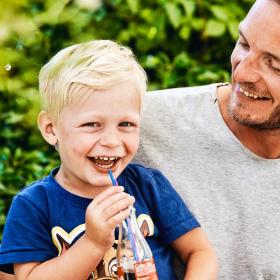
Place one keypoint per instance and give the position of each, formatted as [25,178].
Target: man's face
[98,132]
[255,99]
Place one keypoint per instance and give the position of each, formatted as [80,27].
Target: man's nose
[247,69]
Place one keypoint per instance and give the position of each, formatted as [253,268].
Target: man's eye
[125,124]
[275,67]
[272,64]
[243,44]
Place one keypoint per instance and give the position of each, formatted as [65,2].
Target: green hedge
[179,43]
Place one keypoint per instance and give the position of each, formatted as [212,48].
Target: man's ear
[46,125]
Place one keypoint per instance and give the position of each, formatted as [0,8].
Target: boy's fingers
[111,200]
[105,194]
[117,207]
[118,218]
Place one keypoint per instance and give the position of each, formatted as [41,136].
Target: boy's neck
[78,188]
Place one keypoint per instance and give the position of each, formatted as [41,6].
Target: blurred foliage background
[179,43]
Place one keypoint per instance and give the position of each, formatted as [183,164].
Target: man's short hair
[99,64]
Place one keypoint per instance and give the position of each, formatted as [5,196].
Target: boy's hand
[104,213]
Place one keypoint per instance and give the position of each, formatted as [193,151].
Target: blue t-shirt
[45,220]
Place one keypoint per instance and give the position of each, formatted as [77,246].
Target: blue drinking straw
[114,181]
[132,240]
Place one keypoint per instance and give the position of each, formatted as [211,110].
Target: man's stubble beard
[270,123]
[273,122]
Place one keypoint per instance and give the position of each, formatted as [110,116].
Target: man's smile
[254,96]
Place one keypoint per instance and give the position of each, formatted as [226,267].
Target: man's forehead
[266,8]
[261,27]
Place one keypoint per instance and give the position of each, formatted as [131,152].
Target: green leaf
[182,60]
[2,187]
[221,12]
[133,5]
[214,28]
[208,76]
[185,32]
[189,7]
[151,61]
[174,14]
[233,28]
[14,118]
[197,23]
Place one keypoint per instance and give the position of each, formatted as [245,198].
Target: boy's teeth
[105,166]
[105,158]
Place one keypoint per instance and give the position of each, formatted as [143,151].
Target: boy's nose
[110,138]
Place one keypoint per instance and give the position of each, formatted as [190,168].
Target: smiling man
[251,106]
[220,147]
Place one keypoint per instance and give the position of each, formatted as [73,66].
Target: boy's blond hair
[99,64]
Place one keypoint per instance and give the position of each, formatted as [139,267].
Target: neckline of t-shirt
[67,196]
[213,90]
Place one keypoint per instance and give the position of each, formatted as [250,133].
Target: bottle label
[145,270]
[120,273]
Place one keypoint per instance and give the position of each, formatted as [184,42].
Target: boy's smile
[98,131]
[104,162]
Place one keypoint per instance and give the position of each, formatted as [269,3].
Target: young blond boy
[62,226]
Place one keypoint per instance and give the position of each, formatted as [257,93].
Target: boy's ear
[47,127]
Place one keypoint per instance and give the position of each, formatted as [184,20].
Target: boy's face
[97,132]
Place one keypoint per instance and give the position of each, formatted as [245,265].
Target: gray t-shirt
[234,194]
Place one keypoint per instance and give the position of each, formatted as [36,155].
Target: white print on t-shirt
[107,268]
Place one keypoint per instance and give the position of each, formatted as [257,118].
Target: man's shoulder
[204,89]
[178,98]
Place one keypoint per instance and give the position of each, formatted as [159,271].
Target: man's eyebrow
[275,57]
[242,35]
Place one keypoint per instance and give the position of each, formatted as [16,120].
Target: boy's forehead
[77,89]
[120,100]
[80,93]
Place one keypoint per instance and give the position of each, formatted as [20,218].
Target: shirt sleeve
[26,236]
[172,216]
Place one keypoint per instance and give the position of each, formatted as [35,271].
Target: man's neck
[263,143]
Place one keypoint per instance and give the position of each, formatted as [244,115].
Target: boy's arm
[103,214]
[6,276]
[76,263]
[197,253]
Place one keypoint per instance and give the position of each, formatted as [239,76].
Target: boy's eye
[125,124]
[92,124]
